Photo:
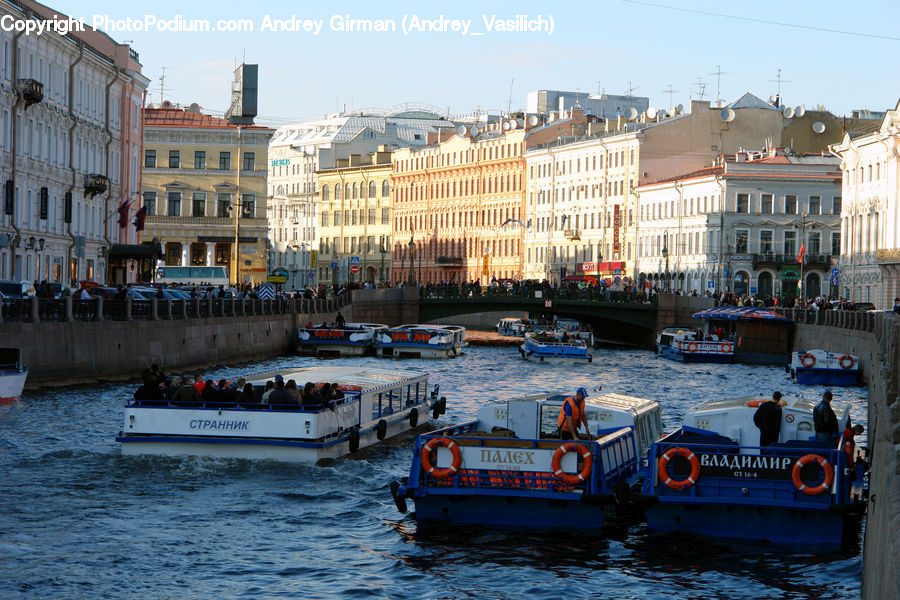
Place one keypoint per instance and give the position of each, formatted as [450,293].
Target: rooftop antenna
[509,104]
[631,89]
[599,88]
[162,84]
[778,80]
[671,92]
[718,73]
[701,88]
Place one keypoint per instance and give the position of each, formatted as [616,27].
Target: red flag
[123,213]
[139,217]
[801,258]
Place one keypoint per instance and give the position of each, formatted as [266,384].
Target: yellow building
[355,219]
[196,168]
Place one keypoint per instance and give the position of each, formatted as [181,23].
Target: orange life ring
[755,403]
[426,457]
[663,472]
[846,361]
[572,478]
[808,360]
[727,347]
[692,346]
[822,462]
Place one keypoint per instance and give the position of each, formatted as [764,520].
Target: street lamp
[383,252]
[412,261]
[665,252]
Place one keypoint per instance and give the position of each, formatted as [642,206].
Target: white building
[870,220]
[739,226]
[297,151]
[70,144]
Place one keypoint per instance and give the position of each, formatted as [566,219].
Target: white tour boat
[12,375]
[421,341]
[377,404]
[554,346]
[350,339]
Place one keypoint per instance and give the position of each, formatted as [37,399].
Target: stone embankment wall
[391,306]
[675,311]
[485,321]
[875,339]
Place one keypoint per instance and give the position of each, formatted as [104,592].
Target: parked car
[17,289]
[863,306]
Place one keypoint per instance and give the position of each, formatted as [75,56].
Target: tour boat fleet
[376,404]
[512,327]
[554,346]
[820,367]
[12,375]
[348,339]
[686,345]
[421,341]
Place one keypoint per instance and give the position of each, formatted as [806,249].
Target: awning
[741,313]
[138,251]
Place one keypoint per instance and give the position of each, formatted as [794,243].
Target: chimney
[354,160]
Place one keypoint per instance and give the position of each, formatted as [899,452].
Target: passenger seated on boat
[311,397]
[224,394]
[336,392]
[210,394]
[279,397]
[270,387]
[185,394]
[247,398]
[291,388]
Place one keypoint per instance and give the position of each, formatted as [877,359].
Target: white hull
[339,349]
[11,385]
[417,352]
[556,360]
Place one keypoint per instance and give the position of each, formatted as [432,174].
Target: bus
[194,275]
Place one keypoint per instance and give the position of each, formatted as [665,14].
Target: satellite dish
[819,127]
[153,105]
[631,113]
[727,115]
[651,112]
[461,130]
[719,103]
[166,104]
[473,130]
[520,123]
[799,111]
[533,120]
[679,109]
[773,98]
[788,112]
[512,124]
[194,107]
[505,125]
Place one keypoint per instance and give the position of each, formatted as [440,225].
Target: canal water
[81,521]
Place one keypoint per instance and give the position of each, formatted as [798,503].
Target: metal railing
[869,321]
[592,294]
[38,310]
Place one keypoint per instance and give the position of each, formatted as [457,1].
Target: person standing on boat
[572,414]
[339,320]
[768,418]
[824,419]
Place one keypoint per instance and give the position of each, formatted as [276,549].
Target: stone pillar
[154,309]
[35,311]
[69,316]
[169,308]
[128,301]
[99,315]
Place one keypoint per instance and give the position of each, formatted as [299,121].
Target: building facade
[299,151]
[739,226]
[355,220]
[205,191]
[870,220]
[70,142]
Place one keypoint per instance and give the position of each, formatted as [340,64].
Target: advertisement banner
[616,224]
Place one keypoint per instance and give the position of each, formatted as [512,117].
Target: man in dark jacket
[824,420]
[768,419]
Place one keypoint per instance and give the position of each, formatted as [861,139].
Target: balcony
[32,91]
[573,234]
[449,261]
[778,260]
[95,184]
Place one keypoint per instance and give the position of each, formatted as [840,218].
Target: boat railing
[349,397]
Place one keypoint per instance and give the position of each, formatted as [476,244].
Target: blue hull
[782,526]
[839,377]
[694,357]
[510,511]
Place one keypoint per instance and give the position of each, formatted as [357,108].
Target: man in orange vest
[572,415]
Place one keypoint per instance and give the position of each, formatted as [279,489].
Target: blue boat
[820,367]
[510,468]
[421,341]
[686,345]
[554,346]
[349,339]
[711,477]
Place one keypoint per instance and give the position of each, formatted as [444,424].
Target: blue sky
[830,53]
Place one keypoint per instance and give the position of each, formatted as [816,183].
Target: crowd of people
[187,390]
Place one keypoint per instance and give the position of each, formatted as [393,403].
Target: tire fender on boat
[354,439]
[381,429]
[399,500]
[413,417]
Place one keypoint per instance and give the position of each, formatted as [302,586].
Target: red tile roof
[176,117]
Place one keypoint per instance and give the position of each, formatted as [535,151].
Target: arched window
[372,189]
[385,188]
[355,191]
[347,195]
[337,192]
[325,193]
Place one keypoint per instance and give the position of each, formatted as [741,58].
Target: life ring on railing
[663,472]
[808,360]
[727,347]
[756,403]
[426,457]
[572,478]
[822,462]
[846,361]
[692,346]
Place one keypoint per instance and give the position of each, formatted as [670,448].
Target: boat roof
[611,400]
[428,326]
[365,377]
[797,403]
[741,313]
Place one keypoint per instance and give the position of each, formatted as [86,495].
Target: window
[224,161]
[743,203]
[347,216]
[815,246]
[325,194]
[836,243]
[173,253]
[249,161]
[790,244]
[174,159]
[223,254]
[371,219]
[741,240]
[372,189]
[149,159]
[325,218]
[385,188]
[790,205]
[150,202]
[248,206]
[385,216]
[766,245]
[766,204]
[836,207]
[337,215]
[223,205]
[200,159]
[174,199]
[815,205]
[199,204]
[198,254]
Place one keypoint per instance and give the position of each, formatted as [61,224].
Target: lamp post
[412,261]
[383,252]
[665,252]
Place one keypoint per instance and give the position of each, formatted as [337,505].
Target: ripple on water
[88,522]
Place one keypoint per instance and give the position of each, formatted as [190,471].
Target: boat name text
[519,457]
[219,425]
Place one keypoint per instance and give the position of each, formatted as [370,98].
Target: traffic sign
[835,272]
[834,281]
[354,269]
[548,303]
[354,260]
[617,271]
[334,264]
